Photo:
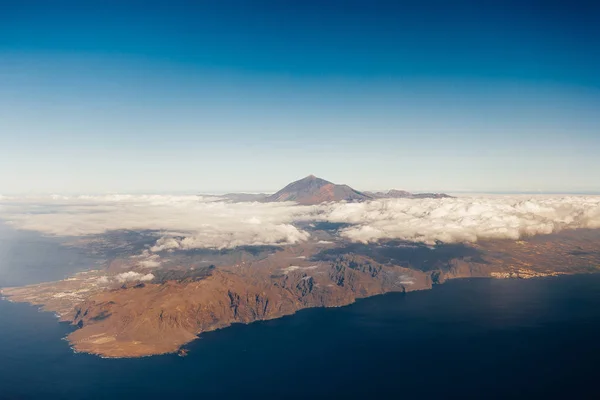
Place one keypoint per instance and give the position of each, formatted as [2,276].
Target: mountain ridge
[312,190]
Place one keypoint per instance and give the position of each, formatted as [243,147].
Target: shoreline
[73,328]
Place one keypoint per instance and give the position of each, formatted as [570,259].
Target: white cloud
[147,260]
[131,276]
[204,222]
[464,219]
[103,280]
[220,237]
[149,264]
[189,222]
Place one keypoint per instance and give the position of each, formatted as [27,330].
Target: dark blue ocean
[475,338]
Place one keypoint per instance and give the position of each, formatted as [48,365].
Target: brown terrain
[134,319]
[313,190]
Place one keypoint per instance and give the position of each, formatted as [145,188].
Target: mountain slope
[313,190]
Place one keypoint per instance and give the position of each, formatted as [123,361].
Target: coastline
[76,347]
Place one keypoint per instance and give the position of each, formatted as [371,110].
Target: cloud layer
[201,221]
[464,219]
[188,222]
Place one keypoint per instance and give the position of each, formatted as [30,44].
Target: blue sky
[128,96]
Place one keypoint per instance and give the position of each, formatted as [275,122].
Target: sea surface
[28,257]
[476,338]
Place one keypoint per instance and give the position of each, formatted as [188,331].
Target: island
[127,310]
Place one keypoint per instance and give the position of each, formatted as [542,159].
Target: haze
[105,97]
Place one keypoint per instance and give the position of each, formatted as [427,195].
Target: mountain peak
[312,177]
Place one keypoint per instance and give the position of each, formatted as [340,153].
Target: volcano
[312,190]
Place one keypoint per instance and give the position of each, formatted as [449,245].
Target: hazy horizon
[236,96]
